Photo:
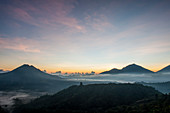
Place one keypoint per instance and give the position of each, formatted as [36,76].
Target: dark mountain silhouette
[29,71]
[132,68]
[165,69]
[29,77]
[114,70]
[92,98]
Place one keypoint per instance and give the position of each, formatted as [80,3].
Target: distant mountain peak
[26,68]
[27,65]
[133,65]
[29,77]
[165,69]
[134,68]
[115,69]
[131,68]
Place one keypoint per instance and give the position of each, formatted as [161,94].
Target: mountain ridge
[132,68]
[24,66]
[26,70]
[165,69]
[29,77]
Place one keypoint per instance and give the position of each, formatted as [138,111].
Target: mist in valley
[9,99]
[120,78]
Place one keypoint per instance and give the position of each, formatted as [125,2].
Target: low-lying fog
[122,78]
[8,98]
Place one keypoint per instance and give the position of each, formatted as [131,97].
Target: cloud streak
[98,22]
[19,44]
[84,32]
[41,13]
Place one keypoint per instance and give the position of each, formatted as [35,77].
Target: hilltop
[89,98]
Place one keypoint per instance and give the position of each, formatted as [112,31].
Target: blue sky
[84,35]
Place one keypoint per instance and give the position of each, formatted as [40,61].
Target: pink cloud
[46,13]
[98,22]
[19,44]
[24,16]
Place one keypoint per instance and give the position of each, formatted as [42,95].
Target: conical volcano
[29,77]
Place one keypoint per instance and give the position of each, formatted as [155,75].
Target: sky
[84,35]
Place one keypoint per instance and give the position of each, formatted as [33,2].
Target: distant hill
[29,77]
[165,69]
[163,87]
[114,70]
[92,98]
[2,71]
[132,68]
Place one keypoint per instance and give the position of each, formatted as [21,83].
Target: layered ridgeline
[28,77]
[165,70]
[89,98]
[132,68]
[163,87]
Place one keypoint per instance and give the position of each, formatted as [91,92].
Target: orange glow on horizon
[73,70]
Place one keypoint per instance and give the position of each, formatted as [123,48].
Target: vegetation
[160,104]
[2,110]
[99,98]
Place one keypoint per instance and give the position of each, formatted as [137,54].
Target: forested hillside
[91,98]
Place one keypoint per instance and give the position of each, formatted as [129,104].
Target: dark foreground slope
[161,104]
[89,98]
[28,77]
[2,110]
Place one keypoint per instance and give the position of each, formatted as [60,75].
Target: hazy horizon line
[69,72]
